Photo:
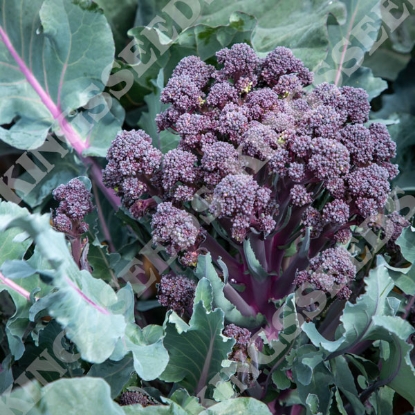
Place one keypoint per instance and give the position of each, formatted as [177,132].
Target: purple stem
[76,246]
[234,297]
[297,410]
[101,218]
[216,250]
[15,287]
[96,173]
[408,307]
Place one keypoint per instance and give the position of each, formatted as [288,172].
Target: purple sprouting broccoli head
[135,397]
[74,204]
[173,228]
[260,156]
[331,271]
[176,293]
[242,338]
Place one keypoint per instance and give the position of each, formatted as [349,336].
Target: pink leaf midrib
[71,135]
[100,309]
[349,30]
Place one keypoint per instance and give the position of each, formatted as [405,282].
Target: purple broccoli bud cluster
[242,338]
[135,397]
[74,204]
[239,198]
[132,161]
[176,293]
[331,271]
[173,228]
[263,149]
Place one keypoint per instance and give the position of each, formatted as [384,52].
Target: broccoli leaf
[82,304]
[204,345]
[56,57]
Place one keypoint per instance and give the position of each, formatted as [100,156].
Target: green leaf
[312,376]
[401,101]
[369,370]
[397,371]
[299,25]
[82,304]
[206,269]
[281,380]
[406,241]
[100,123]
[172,409]
[116,374]
[204,344]
[209,40]
[370,319]
[150,355]
[339,403]
[204,293]
[60,168]
[288,327]
[120,16]
[238,406]
[382,400]
[13,245]
[348,43]
[50,358]
[202,40]
[101,261]
[23,400]
[255,268]
[189,403]
[312,403]
[85,395]
[344,381]
[46,75]
[15,269]
[402,134]
[357,318]
[223,391]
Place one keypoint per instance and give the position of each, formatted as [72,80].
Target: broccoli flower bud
[281,61]
[242,337]
[135,397]
[197,70]
[219,159]
[384,147]
[357,104]
[336,212]
[174,228]
[262,101]
[221,94]
[331,271]
[74,204]
[233,122]
[370,186]
[240,198]
[176,292]
[358,140]
[178,166]
[183,93]
[329,158]
[259,141]
[240,63]
[299,196]
[130,153]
